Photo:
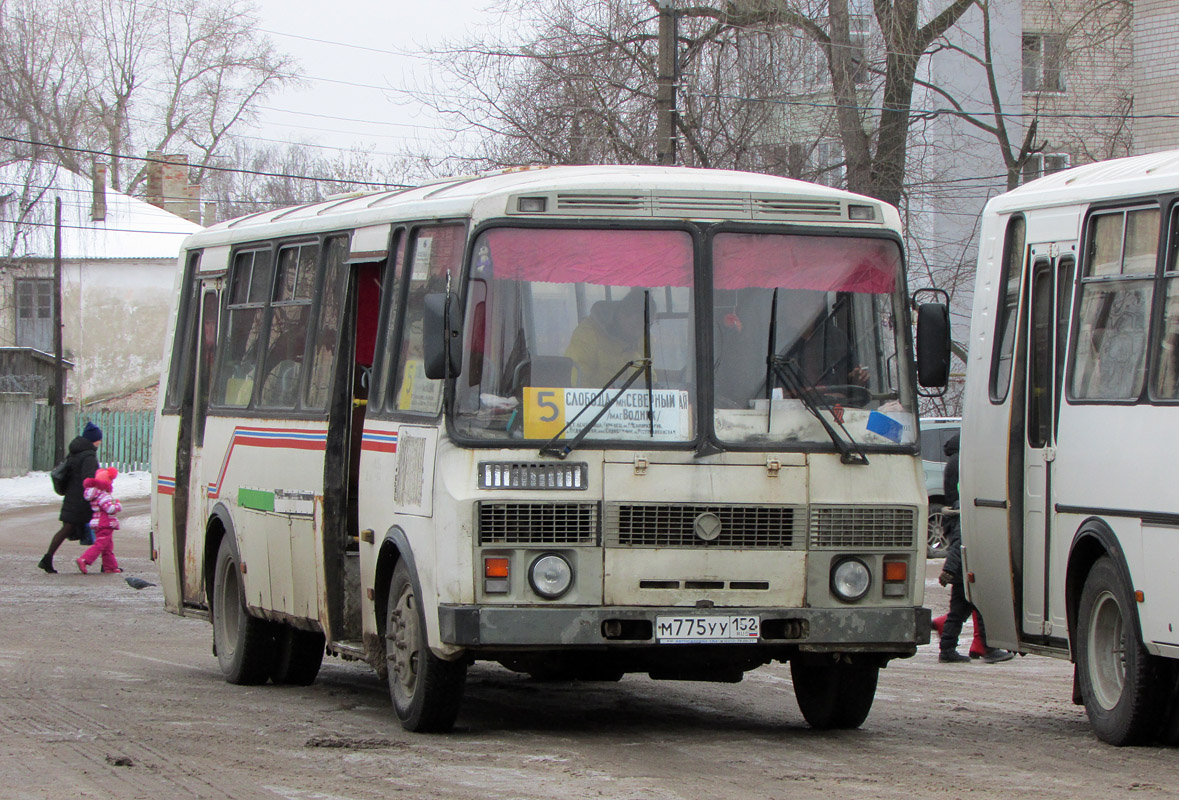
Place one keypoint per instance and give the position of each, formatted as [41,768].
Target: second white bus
[1070,524]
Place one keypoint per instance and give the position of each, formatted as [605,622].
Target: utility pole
[665,92]
[58,370]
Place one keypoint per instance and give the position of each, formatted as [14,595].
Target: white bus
[1071,534]
[579,421]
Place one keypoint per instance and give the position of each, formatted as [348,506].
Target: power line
[934,112]
[89,192]
[238,170]
[29,223]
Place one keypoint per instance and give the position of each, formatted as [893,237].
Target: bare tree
[216,71]
[582,88]
[1091,48]
[125,78]
[45,97]
[264,178]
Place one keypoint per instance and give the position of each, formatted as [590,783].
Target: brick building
[1156,75]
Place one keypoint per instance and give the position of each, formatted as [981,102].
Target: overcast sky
[348,50]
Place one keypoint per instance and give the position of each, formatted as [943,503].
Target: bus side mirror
[440,338]
[933,345]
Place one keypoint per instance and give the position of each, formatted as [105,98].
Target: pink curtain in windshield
[818,263]
[605,257]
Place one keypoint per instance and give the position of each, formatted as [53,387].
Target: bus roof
[1102,180]
[626,191]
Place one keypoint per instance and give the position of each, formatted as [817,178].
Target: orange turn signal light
[895,571]
[495,567]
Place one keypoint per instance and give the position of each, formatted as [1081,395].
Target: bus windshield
[556,315]
[821,309]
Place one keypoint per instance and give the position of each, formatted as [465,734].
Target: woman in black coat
[82,463]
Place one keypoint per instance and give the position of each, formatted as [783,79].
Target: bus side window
[289,314]
[1005,319]
[249,290]
[1166,378]
[326,333]
[1117,284]
[435,251]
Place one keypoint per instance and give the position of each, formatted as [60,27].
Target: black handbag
[60,475]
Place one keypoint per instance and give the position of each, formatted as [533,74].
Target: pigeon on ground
[138,583]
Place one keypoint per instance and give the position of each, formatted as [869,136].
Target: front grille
[663,525]
[537,523]
[842,527]
[528,475]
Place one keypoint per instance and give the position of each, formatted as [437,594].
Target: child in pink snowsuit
[104,507]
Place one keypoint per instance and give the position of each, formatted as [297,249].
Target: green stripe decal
[255,499]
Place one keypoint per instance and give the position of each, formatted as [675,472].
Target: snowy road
[104,695]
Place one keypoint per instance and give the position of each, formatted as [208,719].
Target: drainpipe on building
[58,369]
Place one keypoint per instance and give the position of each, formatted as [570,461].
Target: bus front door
[190,508]
[1049,291]
[341,540]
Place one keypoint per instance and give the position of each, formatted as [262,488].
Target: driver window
[433,253]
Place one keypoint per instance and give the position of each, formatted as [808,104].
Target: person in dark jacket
[82,463]
[960,607]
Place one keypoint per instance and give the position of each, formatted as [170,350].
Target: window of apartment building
[34,313]
[827,164]
[1042,164]
[861,29]
[1043,62]
[815,66]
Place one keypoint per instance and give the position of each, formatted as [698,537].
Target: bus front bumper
[880,630]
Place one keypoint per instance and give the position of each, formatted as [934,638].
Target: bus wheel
[244,643]
[299,656]
[834,696]
[1119,680]
[935,545]
[426,690]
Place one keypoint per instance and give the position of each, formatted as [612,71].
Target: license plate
[707,629]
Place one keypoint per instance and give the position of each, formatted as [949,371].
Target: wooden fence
[126,438]
[43,435]
[16,433]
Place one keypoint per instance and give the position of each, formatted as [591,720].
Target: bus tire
[834,696]
[935,537]
[244,643]
[299,656]
[426,691]
[1119,679]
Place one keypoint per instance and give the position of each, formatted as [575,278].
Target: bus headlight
[550,576]
[850,579]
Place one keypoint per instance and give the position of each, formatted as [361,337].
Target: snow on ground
[36,489]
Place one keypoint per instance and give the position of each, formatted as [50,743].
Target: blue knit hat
[92,433]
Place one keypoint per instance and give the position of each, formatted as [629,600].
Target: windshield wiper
[641,366]
[786,370]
